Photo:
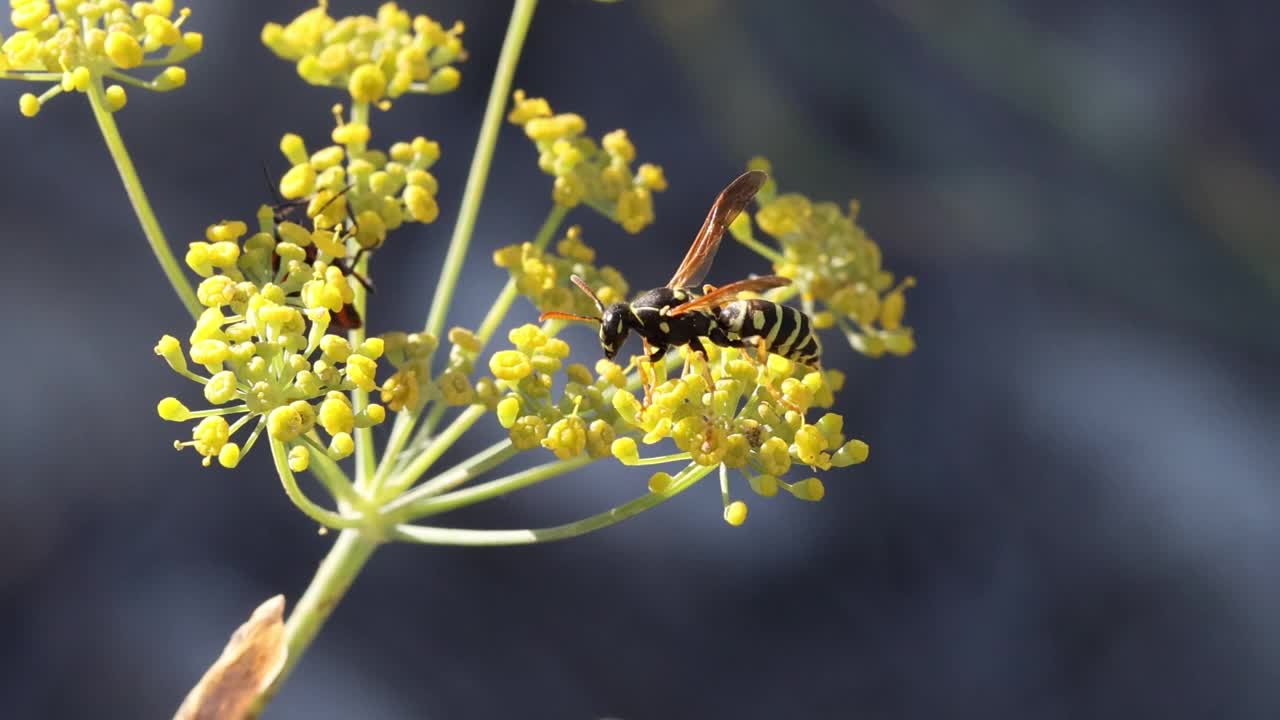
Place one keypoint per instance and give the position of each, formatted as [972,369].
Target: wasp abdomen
[786,331]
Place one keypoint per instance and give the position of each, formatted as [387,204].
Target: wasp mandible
[680,314]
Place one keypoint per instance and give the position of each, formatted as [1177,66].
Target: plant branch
[521,17]
[472,467]
[508,295]
[424,506]
[138,198]
[458,536]
[337,571]
[327,518]
[401,481]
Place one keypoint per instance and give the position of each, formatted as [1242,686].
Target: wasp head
[615,324]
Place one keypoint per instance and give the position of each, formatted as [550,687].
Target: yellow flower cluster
[579,422]
[543,276]
[411,386]
[410,354]
[752,419]
[834,262]
[265,349]
[374,58]
[358,192]
[598,175]
[80,43]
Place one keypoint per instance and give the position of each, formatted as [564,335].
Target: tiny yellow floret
[299,458]
[367,84]
[123,49]
[624,448]
[284,423]
[660,483]
[508,411]
[735,513]
[298,182]
[341,446]
[229,455]
[221,388]
[510,365]
[29,105]
[116,97]
[172,409]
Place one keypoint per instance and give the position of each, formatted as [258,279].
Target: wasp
[679,313]
[347,318]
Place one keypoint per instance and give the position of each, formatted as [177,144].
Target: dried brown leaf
[248,665]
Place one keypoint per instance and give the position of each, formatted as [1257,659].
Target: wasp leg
[696,348]
[761,362]
[652,355]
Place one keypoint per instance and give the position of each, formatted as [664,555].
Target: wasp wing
[730,203]
[727,293]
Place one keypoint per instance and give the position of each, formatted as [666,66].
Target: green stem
[473,193]
[660,459]
[472,467]
[508,295]
[365,464]
[400,432]
[334,576]
[31,76]
[769,253]
[327,518]
[330,474]
[422,507]
[138,198]
[429,425]
[458,536]
[521,17]
[400,482]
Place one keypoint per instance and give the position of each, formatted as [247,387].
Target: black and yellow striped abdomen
[786,331]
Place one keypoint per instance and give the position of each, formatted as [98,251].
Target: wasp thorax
[615,324]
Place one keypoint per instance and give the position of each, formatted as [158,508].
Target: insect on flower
[679,313]
[347,318]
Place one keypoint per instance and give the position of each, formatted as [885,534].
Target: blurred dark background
[1072,507]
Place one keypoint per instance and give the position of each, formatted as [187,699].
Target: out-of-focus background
[1072,507]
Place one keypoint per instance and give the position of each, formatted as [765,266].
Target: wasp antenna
[554,315]
[271,188]
[582,285]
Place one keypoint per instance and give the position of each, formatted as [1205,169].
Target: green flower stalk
[278,347]
[89,47]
